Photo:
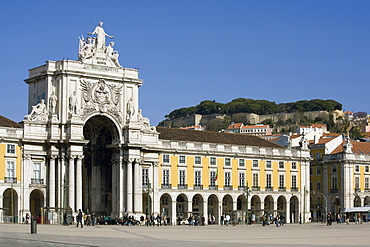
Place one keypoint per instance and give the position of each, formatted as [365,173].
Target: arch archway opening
[97,166]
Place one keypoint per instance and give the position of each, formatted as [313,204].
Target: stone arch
[36,202]
[294,210]
[227,204]
[256,211]
[268,205]
[281,205]
[182,206]
[10,205]
[335,204]
[213,212]
[197,205]
[367,201]
[97,175]
[356,201]
[166,205]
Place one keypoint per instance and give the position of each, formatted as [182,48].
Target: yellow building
[10,170]
[339,175]
[208,174]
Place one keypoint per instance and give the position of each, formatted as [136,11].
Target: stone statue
[73,103]
[112,54]
[37,110]
[130,109]
[100,36]
[86,48]
[53,103]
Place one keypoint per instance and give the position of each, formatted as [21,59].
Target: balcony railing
[241,188]
[282,188]
[182,186]
[256,188]
[37,181]
[166,186]
[269,188]
[213,187]
[228,187]
[334,191]
[10,180]
[197,186]
[293,188]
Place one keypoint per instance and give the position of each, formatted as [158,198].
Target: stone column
[287,212]
[218,218]
[173,213]
[71,183]
[25,195]
[61,186]
[79,183]
[138,200]
[114,187]
[129,186]
[205,211]
[52,181]
[120,188]
[155,185]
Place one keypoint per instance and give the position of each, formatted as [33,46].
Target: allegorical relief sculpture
[100,97]
[95,50]
[38,113]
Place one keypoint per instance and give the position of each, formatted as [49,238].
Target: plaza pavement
[310,234]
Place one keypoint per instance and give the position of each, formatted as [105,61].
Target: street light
[326,201]
[246,193]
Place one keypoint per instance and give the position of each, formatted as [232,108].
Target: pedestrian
[79,218]
[93,219]
[227,219]
[277,220]
[222,219]
[65,223]
[282,217]
[263,219]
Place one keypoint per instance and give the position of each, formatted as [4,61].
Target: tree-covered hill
[260,107]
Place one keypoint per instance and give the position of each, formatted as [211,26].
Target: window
[311,173]
[357,183]
[145,177]
[268,180]
[10,149]
[255,163]
[241,179]
[334,169]
[318,186]
[166,158]
[366,168]
[357,168]
[255,180]
[294,181]
[281,164]
[334,183]
[318,170]
[268,164]
[318,156]
[10,169]
[198,160]
[294,165]
[227,162]
[182,177]
[198,178]
[227,179]
[166,177]
[281,181]
[37,171]
[213,161]
[366,183]
[212,179]
[182,159]
[241,162]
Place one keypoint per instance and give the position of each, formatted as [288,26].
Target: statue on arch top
[100,36]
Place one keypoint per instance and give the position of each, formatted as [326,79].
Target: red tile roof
[358,148]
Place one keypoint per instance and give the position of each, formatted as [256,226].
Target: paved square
[311,234]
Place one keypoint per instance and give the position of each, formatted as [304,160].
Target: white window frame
[166,158]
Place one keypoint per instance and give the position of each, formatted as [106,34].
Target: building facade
[86,145]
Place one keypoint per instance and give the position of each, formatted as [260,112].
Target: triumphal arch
[86,131]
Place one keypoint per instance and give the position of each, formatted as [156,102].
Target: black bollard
[33,225]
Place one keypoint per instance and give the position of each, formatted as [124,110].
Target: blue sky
[190,51]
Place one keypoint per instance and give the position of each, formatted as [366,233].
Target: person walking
[65,223]
[79,218]
[277,220]
[227,219]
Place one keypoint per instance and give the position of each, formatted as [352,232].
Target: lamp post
[246,191]
[326,201]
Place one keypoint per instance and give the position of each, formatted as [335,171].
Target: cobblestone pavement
[311,234]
